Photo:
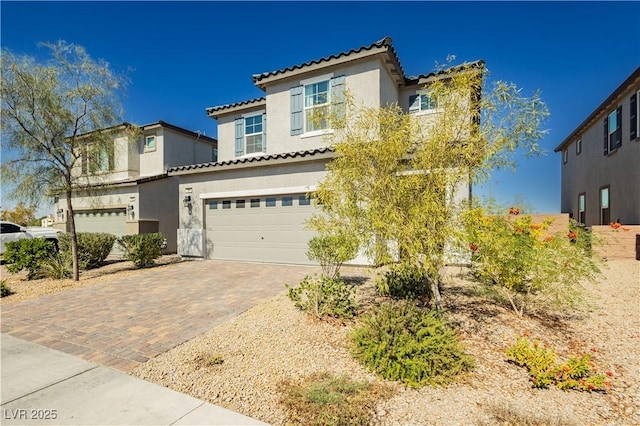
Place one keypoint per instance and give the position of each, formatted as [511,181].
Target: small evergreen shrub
[331,251]
[402,342]
[323,399]
[28,253]
[324,296]
[404,281]
[93,248]
[57,266]
[5,290]
[142,249]
[577,373]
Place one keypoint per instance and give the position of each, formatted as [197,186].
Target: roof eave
[611,99]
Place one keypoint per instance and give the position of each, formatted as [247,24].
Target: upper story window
[316,106]
[578,146]
[251,134]
[98,158]
[565,156]
[613,131]
[315,102]
[150,143]
[634,116]
[423,102]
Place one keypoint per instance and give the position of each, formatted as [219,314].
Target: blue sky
[186,56]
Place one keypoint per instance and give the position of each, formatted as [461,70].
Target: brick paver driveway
[125,322]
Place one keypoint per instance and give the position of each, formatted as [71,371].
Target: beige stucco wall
[364,80]
[306,173]
[591,170]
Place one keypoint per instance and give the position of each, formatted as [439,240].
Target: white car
[12,232]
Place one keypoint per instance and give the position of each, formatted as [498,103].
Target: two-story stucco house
[601,161]
[252,204]
[129,190]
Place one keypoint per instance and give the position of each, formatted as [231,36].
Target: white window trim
[420,112]
[244,117]
[565,156]
[155,143]
[578,144]
[307,82]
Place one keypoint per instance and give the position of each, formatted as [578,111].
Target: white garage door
[112,221]
[259,229]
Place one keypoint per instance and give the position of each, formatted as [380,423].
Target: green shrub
[93,248]
[404,281]
[544,370]
[57,266]
[324,296]
[520,260]
[331,251]
[402,342]
[322,399]
[5,290]
[142,249]
[27,254]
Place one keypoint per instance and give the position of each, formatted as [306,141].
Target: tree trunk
[74,236]
[435,290]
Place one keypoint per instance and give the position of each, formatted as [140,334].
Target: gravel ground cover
[240,365]
[115,268]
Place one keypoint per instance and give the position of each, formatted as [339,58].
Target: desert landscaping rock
[274,341]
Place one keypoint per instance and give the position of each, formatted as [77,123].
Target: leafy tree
[21,214]
[54,114]
[393,184]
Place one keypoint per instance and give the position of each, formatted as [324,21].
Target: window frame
[146,143]
[565,156]
[582,209]
[325,78]
[253,115]
[602,208]
[579,146]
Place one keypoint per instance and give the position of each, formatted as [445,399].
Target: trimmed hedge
[93,248]
[142,249]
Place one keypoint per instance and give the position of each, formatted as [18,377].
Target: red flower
[615,225]
[572,235]
[591,387]
[514,211]
[593,349]
[609,373]
[548,239]
[473,247]
[535,226]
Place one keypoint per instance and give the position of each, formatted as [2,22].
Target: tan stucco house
[128,190]
[600,161]
[252,203]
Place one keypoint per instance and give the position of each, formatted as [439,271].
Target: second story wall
[366,81]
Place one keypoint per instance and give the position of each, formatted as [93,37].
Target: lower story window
[605,208]
[581,208]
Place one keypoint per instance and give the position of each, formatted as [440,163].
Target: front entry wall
[259,229]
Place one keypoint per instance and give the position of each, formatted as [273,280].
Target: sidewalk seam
[187,413]
[52,384]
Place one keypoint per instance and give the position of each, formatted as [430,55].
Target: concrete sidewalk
[46,387]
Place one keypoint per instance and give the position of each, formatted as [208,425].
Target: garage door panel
[263,234]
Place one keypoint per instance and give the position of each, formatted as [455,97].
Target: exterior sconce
[60,213]
[186,201]
[130,209]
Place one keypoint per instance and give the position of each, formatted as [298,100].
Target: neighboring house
[129,189]
[252,204]
[600,161]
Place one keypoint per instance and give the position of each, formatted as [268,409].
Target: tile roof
[257,159]
[385,42]
[409,81]
[214,109]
